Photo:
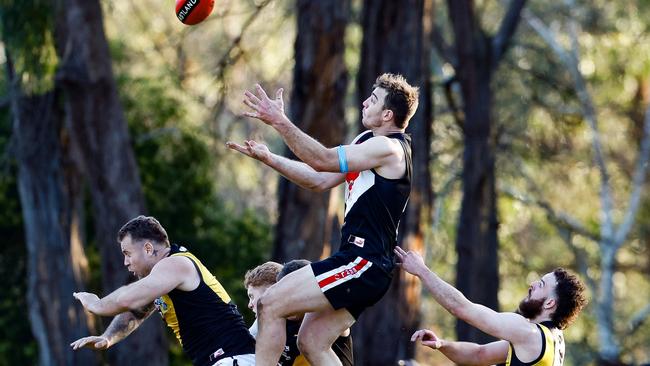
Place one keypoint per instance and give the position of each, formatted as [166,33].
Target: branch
[507,29]
[442,48]
[226,59]
[560,219]
[638,319]
[570,61]
[580,256]
[638,180]
[459,117]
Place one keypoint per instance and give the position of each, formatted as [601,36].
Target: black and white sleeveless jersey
[373,208]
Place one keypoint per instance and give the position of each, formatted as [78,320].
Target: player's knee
[304,345]
[309,344]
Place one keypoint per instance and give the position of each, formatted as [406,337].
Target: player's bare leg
[297,293]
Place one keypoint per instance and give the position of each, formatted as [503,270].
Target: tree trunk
[305,226]
[477,274]
[47,183]
[396,40]
[608,348]
[101,145]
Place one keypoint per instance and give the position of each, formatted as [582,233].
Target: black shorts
[351,282]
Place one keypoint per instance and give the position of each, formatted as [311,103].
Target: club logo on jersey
[161,306]
[356,241]
[350,178]
[215,355]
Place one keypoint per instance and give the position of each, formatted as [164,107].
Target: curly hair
[144,228]
[570,298]
[401,97]
[263,275]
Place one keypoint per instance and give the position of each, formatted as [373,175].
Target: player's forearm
[463,353]
[122,300]
[445,294]
[298,172]
[121,326]
[307,149]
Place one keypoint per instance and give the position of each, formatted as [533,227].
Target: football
[192,12]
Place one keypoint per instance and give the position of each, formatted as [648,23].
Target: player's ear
[387,114]
[550,303]
[148,247]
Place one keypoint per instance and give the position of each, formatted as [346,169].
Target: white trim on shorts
[342,274]
[242,360]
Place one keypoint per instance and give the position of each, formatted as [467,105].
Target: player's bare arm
[165,276]
[120,327]
[507,326]
[465,353]
[296,171]
[377,152]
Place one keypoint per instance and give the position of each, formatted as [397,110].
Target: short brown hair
[401,97]
[570,298]
[262,275]
[144,228]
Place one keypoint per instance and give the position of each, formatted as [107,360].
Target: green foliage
[26,29]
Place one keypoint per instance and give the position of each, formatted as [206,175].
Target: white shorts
[239,360]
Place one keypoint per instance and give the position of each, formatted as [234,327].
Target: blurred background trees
[531,135]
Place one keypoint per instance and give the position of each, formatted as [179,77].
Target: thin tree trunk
[101,144]
[49,196]
[304,228]
[396,40]
[477,55]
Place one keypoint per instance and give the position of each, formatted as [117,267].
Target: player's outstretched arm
[375,152]
[464,353]
[165,276]
[119,328]
[296,171]
[508,326]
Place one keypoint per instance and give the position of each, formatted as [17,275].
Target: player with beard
[531,336]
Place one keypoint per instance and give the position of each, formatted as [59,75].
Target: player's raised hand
[410,261]
[251,148]
[94,342]
[427,338]
[86,299]
[267,110]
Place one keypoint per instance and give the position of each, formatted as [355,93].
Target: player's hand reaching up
[267,110]
[427,338]
[411,261]
[253,149]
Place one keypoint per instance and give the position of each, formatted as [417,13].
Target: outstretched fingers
[237,147]
[260,92]
[401,253]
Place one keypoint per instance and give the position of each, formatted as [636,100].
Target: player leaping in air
[377,169]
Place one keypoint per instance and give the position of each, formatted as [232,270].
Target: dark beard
[530,309]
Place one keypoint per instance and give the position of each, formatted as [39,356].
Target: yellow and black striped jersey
[205,322]
[552,353]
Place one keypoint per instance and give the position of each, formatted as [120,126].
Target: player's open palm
[93,342]
[264,108]
[427,338]
[251,148]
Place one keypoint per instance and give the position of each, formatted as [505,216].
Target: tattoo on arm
[125,323]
